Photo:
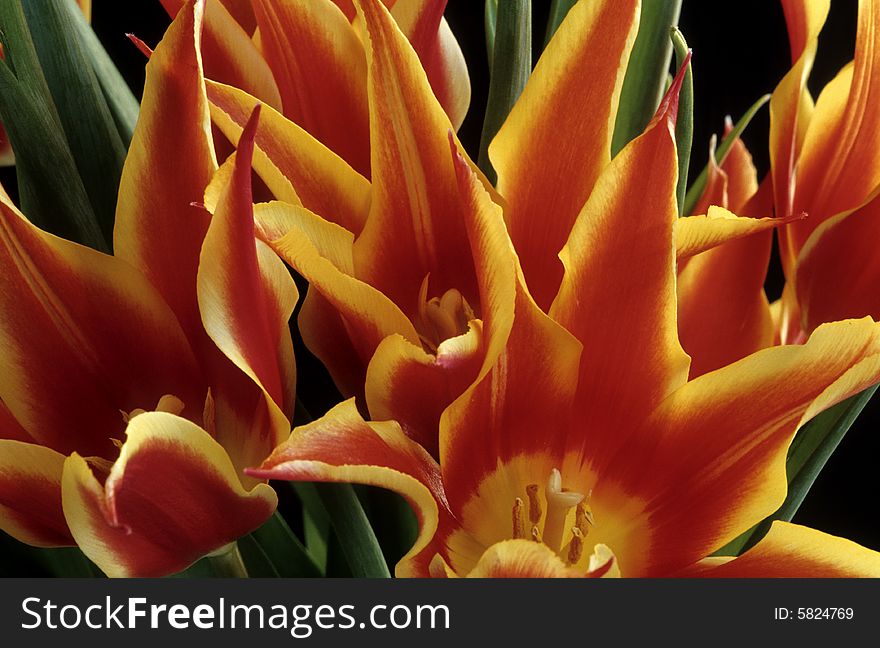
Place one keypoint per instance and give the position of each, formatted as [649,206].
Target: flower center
[559,502]
[441,318]
[168,403]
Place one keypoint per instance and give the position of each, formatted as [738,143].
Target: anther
[519,531]
[536,535]
[534,503]
[583,518]
[576,546]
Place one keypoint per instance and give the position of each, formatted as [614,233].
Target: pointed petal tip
[145,49]
[669,106]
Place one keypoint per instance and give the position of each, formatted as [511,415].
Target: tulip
[584,449]
[307,60]
[398,301]
[824,163]
[137,386]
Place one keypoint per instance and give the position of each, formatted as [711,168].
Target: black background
[740,52]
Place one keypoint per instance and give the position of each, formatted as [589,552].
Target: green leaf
[316,524]
[121,101]
[512,65]
[356,538]
[558,11]
[684,124]
[646,71]
[88,124]
[696,190]
[51,191]
[283,550]
[813,445]
[490,19]
[392,519]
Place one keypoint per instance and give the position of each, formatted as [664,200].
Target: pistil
[559,502]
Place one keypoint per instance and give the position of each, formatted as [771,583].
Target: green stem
[512,65]
[684,124]
[356,537]
[558,11]
[227,562]
[646,71]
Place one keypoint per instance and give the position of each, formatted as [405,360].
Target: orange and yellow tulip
[137,386]
[824,163]
[583,448]
[307,60]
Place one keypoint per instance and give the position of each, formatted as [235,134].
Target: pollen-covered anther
[575,546]
[442,318]
[519,529]
[584,517]
[534,503]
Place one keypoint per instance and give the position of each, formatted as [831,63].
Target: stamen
[534,503]
[558,504]
[576,546]
[584,518]
[536,535]
[519,531]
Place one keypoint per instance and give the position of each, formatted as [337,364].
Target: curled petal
[342,447]
[172,497]
[246,305]
[412,387]
[294,165]
[696,234]
[30,494]
[793,551]
[428,32]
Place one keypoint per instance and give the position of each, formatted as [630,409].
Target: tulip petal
[172,497]
[561,127]
[690,492]
[318,62]
[838,169]
[229,54]
[838,270]
[793,551]
[10,428]
[30,494]
[627,323]
[296,167]
[790,104]
[521,559]
[413,387]
[428,32]
[723,313]
[321,252]
[697,234]
[342,447]
[84,336]
[246,305]
[416,225]
[167,169]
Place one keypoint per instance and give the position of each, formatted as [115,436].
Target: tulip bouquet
[274,318]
